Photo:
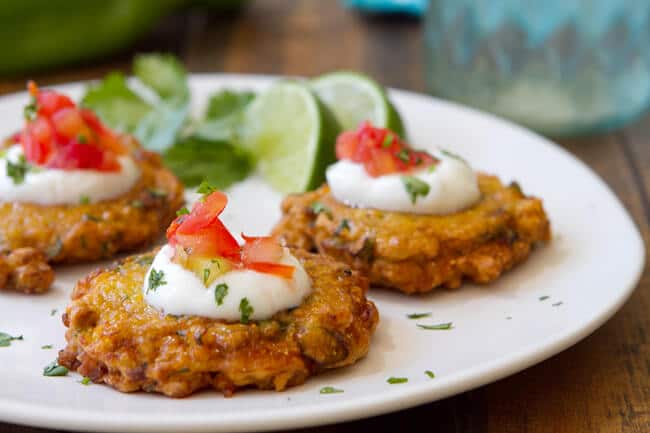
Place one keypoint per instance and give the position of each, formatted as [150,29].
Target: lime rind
[354,97]
[292,135]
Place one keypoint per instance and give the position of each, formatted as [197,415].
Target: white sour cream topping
[185,294]
[50,186]
[453,186]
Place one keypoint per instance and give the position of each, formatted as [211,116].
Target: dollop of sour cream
[47,186]
[183,293]
[452,187]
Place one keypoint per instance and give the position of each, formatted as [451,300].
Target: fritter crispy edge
[88,232]
[114,337]
[417,253]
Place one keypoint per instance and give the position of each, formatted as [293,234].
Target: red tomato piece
[49,102]
[212,241]
[75,155]
[261,249]
[37,139]
[280,270]
[346,144]
[204,213]
[70,125]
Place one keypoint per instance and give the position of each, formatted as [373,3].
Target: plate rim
[367,406]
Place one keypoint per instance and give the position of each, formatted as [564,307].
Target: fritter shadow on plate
[417,253]
[116,338]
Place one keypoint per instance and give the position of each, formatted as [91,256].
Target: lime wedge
[292,135]
[354,97]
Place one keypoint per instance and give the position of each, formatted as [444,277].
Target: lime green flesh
[354,98]
[292,136]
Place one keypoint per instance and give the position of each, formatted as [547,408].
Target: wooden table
[602,384]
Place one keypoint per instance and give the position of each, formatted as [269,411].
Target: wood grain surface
[602,384]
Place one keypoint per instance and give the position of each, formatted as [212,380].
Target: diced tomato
[346,143]
[76,155]
[380,163]
[204,213]
[212,241]
[49,102]
[284,271]
[69,124]
[261,249]
[66,137]
[380,150]
[201,234]
[37,139]
[107,138]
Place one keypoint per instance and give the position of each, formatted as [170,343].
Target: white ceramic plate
[591,267]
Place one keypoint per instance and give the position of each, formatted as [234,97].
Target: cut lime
[292,135]
[354,98]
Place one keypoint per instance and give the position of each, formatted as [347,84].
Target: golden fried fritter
[25,270]
[116,338]
[417,253]
[87,232]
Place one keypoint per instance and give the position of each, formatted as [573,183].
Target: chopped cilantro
[82,139]
[206,275]
[30,109]
[418,315]
[54,369]
[451,155]
[156,279]
[543,298]
[404,155]
[388,140]
[85,381]
[93,218]
[47,346]
[318,207]
[157,193]
[18,170]
[182,211]
[557,304]
[432,168]
[430,374]
[415,187]
[53,312]
[440,326]
[206,188]
[84,199]
[395,380]
[330,390]
[137,204]
[246,310]
[220,293]
[6,339]
[344,225]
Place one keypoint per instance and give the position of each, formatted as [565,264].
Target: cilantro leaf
[156,279]
[115,103]
[17,170]
[330,390]
[220,293]
[246,311]
[395,380]
[415,187]
[164,74]
[439,327]
[220,163]
[6,339]
[54,369]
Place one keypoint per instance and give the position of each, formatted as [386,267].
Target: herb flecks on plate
[438,327]
[397,380]
[6,339]
[330,390]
